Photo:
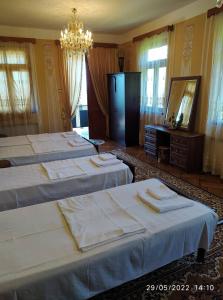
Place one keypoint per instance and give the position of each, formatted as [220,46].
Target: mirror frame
[191,124]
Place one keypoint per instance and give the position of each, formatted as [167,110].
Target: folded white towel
[106,163]
[106,156]
[160,191]
[167,205]
[97,221]
[62,169]
[69,134]
[79,143]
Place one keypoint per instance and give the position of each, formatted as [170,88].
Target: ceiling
[101,16]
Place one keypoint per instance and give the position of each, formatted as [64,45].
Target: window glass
[4,102]
[12,57]
[21,88]
[161,85]
[156,76]
[14,81]
[150,79]
[157,53]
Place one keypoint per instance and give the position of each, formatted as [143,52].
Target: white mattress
[19,151]
[40,260]
[27,185]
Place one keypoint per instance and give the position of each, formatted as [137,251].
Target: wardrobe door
[116,107]
[132,100]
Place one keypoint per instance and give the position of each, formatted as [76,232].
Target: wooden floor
[210,183]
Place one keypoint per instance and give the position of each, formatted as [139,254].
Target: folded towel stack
[105,160]
[95,221]
[162,199]
[106,156]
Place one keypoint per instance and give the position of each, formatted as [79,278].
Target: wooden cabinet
[186,148]
[124,102]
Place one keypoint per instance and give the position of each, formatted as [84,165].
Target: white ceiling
[101,16]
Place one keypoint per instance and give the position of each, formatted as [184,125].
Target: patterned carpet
[185,279]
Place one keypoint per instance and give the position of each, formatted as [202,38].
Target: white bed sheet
[19,151]
[27,185]
[40,259]
[24,154]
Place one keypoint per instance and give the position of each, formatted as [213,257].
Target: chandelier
[73,38]
[219,3]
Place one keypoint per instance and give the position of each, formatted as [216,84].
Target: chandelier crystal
[219,3]
[73,38]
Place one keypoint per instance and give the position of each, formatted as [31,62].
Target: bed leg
[200,255]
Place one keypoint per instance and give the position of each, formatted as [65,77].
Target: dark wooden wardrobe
[124,104]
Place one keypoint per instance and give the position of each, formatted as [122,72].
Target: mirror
[182,100]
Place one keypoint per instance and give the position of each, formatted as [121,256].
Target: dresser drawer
[179,150]
[179,140]
[179,161]
[151,139]
[150,132]
[150,148]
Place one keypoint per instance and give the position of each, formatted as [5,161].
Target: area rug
[184,279]
[145,171]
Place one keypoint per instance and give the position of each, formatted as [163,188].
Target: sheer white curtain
[18,97]
[213,161]
[73,64]
[152,63]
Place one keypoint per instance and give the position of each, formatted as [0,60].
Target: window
[14,81]
[156,76]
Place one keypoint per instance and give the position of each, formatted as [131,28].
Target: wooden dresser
[186,148]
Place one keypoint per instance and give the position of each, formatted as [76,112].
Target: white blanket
[51,146]
[105,163]
[160,191]
[63,169]
[14,141]
[176,202]
[95,221]
[43,137]
[31,184]
[40,258]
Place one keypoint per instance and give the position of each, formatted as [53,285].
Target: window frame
[16,67]
[155,65]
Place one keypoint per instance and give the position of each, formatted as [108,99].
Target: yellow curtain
[102,61]
[214,127]
[65,103]
[18,103]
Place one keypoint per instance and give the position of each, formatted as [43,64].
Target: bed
[40,258]
[31,149]
[31,184]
